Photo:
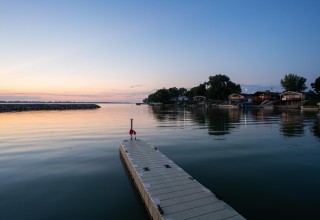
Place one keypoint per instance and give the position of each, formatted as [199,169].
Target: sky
[123,50]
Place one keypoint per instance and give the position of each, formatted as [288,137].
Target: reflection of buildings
[262,114]
[292,123]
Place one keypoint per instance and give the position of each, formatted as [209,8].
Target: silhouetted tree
[292,82]
[316,85]
[162,95]
[165,95]
[174,92]
[220,87]
[197,91]
[182,91]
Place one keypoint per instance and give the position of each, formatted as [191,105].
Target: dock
[168,192]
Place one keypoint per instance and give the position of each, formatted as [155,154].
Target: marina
[167,191]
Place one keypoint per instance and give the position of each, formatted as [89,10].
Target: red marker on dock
[132,132]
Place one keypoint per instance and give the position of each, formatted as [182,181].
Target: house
[311,95]
[235,98]
[180,99]
[291,99]
[199,100]
[260,97]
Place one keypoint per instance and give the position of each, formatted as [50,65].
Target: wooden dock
[167,191]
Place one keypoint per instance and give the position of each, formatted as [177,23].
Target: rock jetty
[14,107]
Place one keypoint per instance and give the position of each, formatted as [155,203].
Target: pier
[168,192]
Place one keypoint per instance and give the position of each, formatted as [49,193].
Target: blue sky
[124,50]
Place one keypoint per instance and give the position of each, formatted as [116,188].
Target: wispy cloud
[252,88]
[135,86]
[112,96]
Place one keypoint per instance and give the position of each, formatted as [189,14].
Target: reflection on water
[224,121]
[316,128]
[260,160]
[66,164]
[292,123]
[221,122]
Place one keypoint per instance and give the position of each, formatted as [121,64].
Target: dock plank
[167,190]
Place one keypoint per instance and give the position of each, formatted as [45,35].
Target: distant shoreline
[66,102]
[19,107]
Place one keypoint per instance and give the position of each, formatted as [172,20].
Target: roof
[266,92]
[291,92]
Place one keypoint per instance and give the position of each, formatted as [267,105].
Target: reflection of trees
[220,121]
[169,113]
[166,113]
[223,121]
[316,128]
[313,121]
[198,115]
[291,123]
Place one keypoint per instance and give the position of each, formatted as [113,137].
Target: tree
[220,87]
[197,91]
[162,95]
[174,92]
[182,91]
[316,85]
[292,82]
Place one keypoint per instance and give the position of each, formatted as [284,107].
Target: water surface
[66,164]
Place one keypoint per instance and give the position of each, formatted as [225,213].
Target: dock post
[132,132]
[131,127]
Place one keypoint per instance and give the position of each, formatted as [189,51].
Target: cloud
[112,96]
[134,86]
[252,88]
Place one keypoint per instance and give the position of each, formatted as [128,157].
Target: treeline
[219,87]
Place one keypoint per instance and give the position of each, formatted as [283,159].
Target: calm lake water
[66,164]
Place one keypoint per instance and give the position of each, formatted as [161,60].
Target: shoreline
[19,107]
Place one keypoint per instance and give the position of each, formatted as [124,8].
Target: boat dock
[167,191]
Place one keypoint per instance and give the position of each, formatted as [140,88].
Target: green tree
[292,82]
[220,87]
[316,85]
[174,92]
[197,91]
[161,95]
[182,91]
[151,98]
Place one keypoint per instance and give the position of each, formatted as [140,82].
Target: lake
[66,164]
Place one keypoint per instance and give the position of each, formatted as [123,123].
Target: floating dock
[167,191]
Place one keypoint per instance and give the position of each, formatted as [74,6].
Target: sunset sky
[118,50]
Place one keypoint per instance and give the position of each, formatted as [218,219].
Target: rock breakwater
[44,106]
